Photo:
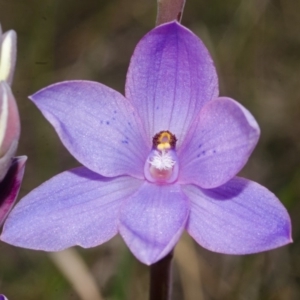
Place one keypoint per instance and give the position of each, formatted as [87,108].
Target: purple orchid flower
[2,297]
[156,162]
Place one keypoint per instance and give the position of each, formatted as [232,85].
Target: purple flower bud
[9,127]
[11,169]
[10,186]
[8,53]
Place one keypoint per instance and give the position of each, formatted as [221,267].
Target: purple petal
[2,297]
[239,217]
[10,186]
[219,145]
[170,77]
[77,207]
[97,125]
[152,220]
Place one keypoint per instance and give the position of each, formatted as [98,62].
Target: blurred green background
[256,47]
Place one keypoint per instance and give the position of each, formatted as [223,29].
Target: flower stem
[160,278]
[169,10]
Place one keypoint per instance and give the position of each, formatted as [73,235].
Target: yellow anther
[164,140]
[163,146]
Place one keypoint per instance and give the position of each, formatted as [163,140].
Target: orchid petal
[2,297]
[170,77]
[97,125]
[152,220]
[10,186]
[77,207]
[219,145]
[239,217]
[8,54]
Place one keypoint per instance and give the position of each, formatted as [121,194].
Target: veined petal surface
[219,144]
[97,125]
[239,217]
[76,207]
[170,77]
[152,220]
[10,186]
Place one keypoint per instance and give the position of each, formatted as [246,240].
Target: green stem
[169,10]
[160,279]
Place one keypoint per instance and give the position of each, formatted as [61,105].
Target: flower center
[162,162]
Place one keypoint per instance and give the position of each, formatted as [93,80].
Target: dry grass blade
[189,269]
[76,272]
[169,10]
